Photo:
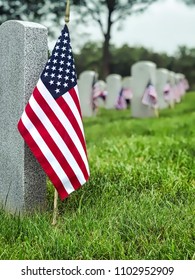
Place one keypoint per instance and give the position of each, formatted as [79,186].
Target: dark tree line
[105,13]
[89,58]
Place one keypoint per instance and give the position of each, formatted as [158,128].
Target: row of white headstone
[116,91]
[23,54]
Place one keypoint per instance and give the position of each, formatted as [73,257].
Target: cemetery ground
[138,204]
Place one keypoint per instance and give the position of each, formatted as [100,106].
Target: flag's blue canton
[59,74]
[121,92]
[149,84]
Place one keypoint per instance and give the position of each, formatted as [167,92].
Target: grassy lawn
[138,204]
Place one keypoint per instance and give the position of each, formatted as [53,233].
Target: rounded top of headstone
[28,24]
[88,73]
[177,77]
[145,62]
[143,66]
[172,77]
[101,84]
[162,70]
[116,76]
[181,75]
[127,78]
[171,73]
[127,81]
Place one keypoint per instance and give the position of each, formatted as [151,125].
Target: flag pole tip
[67,12]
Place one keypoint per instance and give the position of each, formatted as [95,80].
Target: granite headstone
[113,87]
[85,87]
[142,73]
[162,82]
[23,54]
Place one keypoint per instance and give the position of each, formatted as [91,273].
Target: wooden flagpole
[55,208]
[55,204]
[67,12]
[156,112]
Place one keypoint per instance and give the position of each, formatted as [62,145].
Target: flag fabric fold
[167,92]
[149,97]
[98,92]
[127,93]
[121,102]
[51,123]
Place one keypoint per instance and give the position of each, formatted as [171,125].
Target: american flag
[149,97]
[121,103]
[98,92]
[94,92]
[127,93]
[51,123]
[167,92]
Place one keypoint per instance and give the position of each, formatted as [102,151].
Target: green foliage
[124,57]
[105,14]
[89,58]
[138,203]
[97,11]
[31,9]
[188,2]
[185,63]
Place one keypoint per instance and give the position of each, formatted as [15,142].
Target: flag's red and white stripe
[149,97]
[96,91]
[53,130]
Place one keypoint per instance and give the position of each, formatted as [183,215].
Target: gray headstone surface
[127,87]
[23,54]
[172,84]
[178,93]
[103,87]
[180,78]
[85,84]
[113,88]
[142,72]
[161,81]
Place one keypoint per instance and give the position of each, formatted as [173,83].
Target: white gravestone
[101,99]
[23,54]
[173,87]
[180,86]
[113,88]
[162,87]
[185,86]
[142,73]
[85,87]
[177,89]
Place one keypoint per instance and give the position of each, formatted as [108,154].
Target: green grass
[138,204]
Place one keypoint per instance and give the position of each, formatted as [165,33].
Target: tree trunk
[106,56]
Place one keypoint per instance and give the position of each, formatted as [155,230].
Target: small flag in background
[127,93]
[121,103]
[181,88]
[94,92]
[51,123]
[98,92]
[149,97]
[167,92]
